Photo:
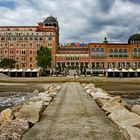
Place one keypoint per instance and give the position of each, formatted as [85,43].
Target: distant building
[21,43]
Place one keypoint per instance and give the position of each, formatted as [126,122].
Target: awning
[28,70]
[34,70]
[130,70]
[124,70]
[116,70]
[110,70]
[138,70]
[5,70]
[13,70]
[20,70]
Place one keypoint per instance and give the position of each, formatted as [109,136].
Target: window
[31,52]
[115,51]
[135,50]
[111,51]
[125,50]
[120,50]
[31,59]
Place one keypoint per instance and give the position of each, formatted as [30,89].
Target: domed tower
[134,39]
[51,27]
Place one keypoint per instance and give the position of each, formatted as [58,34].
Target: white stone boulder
[31,112]
[101,101]
[35,92]
[7,115]
[58,87]
[120,100]
[89,86]
[136,109]
[112,105]
[124,117]
[130,132]
[88,90]
[102,95]
[13,129]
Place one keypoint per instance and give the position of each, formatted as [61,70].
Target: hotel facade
[22,42]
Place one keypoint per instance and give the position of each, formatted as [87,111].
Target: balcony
[123,55]
[136,55]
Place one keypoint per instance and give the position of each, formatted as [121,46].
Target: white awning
[5,70]
[34,70]
[20,70]
[131,70]
[124,70]
[110,70]
[28,70]
[1,70]
[116,70]
[138,70]
[13,70]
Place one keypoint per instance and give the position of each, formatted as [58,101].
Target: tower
[51,28]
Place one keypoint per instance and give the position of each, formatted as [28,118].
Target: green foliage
[7,63]
[44,58]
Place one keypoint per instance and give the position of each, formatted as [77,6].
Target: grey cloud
[85,21]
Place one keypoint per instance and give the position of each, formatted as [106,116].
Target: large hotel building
[21,44]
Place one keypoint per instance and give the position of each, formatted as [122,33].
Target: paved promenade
[73,115]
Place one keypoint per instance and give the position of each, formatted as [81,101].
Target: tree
[44,58]
[7,63]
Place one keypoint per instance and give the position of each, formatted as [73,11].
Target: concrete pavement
[73,115]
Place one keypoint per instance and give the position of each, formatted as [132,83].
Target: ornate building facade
[21,43]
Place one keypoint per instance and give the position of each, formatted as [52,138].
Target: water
[132,100]
[12,99]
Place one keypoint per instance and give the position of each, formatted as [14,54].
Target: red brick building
[21,43]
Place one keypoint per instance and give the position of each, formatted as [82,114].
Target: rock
[17,108]
[36,92]
[112,105]
[89,86]
[88,90]
[124,117]
[58,87]
[31,112]
[7,115]
[120,100]
[95,95]
[47,92]
[0,120]
[130,132]
[43,94]
[136,109]
[13,129]
[101,101]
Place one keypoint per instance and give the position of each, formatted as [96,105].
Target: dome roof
[50,19]
[134,39]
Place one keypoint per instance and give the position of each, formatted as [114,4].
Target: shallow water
[132,100]
[13,98]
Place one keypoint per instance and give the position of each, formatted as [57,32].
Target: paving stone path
[73,115]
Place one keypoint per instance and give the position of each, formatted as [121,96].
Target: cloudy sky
[79,20]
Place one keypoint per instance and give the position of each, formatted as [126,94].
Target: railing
[118,55]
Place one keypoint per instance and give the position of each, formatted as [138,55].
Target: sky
[79,20]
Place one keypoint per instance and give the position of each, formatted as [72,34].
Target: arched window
[111,51]
[139,50]
[97,50]
[115,51]
[120,50]
[102,49]
[125,50]
[135,50]
[93,50]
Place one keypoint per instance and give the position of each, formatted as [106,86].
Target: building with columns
[21,44]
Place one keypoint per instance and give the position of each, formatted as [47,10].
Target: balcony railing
[118,55]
